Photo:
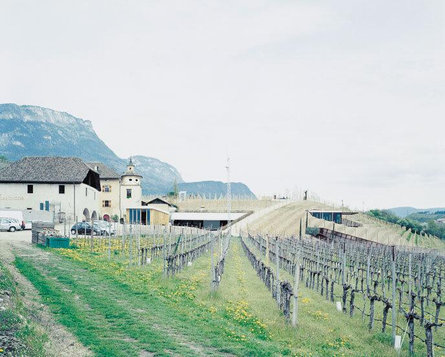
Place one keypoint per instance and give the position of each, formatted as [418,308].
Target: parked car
[107,228]
[15,214]
[10,224]
[85,228]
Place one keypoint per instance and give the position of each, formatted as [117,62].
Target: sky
[343,98]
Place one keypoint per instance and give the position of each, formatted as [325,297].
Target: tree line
[430,226]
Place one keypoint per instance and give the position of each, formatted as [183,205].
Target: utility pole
[229,198]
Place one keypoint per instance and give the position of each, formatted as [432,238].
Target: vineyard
[171,290]
[364,279]
[285,222]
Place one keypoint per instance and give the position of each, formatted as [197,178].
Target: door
[3,225]
[144,217]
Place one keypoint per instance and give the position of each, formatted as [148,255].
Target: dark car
[85,228]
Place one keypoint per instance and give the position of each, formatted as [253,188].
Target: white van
[18,215]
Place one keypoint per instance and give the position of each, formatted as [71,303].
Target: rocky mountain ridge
[27,130]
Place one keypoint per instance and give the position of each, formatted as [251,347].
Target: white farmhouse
[51,184]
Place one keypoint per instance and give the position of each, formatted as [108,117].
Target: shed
[147,216]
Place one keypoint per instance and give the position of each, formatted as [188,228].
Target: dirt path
[61,342]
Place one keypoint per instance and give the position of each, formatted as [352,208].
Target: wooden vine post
[164,254]
[393,310]
[301,227]
[296,281]
[277,256]
[213,284]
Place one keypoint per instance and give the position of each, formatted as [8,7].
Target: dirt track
[61,342]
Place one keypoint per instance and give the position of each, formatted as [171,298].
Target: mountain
[3,162]
[34,131]
[158,176]
[218,188]
[403,212]
[27,130]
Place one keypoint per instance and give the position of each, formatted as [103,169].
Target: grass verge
[18,334]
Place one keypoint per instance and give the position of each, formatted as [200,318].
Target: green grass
[115,310]
[21,337]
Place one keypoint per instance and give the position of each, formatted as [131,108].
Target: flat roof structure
[206,220]
[205,216]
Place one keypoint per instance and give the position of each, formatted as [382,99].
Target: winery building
[53,184]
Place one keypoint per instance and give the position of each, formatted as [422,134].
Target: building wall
[15,196]
[112,196]
[157,217]
[136,192]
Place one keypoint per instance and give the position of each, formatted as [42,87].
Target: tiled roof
[46,169]
[104,171]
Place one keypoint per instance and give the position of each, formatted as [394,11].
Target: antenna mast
[229,196]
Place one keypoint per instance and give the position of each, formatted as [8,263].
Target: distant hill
[27,130]
[403,212]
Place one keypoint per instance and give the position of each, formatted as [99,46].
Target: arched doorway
[94,216]
[107,217]
[86,215]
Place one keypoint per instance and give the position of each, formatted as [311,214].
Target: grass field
[115,310]
[194,204]
[18,334]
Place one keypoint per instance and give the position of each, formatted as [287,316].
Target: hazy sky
[345,98]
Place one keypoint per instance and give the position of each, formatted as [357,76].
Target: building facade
[65,186]
[109,196]
[60,188]
[130,189]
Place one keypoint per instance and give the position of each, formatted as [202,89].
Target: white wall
[15,196]
[136,193]
[112,196]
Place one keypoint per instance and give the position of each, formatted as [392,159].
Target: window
[130,179]
[62,189]
[136,180]
[30,188]
[106,188]
[41,206]
[128,192]
[106,203]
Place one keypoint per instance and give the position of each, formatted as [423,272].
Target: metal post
[139,243]
[164,253]
[109,241]
[130,245]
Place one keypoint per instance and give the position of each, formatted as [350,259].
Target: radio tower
[229,197]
